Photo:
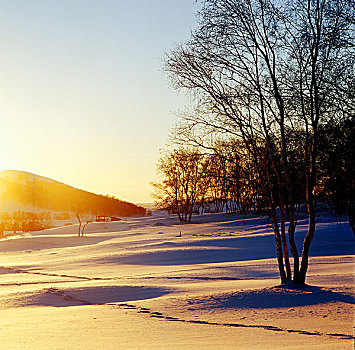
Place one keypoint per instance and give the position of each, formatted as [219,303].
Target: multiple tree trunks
[272,76]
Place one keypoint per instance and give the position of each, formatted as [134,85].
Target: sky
[83,98]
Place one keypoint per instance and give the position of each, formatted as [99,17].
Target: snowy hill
[20,190]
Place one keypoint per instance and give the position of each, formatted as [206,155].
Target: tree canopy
[271,75]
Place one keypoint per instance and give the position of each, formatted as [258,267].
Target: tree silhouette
[262,72]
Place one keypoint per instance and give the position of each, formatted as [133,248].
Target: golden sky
[83,98]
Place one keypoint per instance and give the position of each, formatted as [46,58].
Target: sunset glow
[83,98]
[177,174]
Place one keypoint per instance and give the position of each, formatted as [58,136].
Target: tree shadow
[182,257]
[283,296]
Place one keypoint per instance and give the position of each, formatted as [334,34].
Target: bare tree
[183,184]
[84,218]
[258,69]
[87,219]
[320,73]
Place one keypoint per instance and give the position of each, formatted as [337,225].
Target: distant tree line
[274,91]
[29,221]
[224,178]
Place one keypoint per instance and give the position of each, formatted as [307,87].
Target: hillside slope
[20,189]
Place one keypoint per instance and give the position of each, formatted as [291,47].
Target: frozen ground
[136,284]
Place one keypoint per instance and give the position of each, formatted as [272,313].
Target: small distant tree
[83,219]
[78,214]
[87,219]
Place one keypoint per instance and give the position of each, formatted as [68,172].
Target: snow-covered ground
[140,284]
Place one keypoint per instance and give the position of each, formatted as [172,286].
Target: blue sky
[83,98]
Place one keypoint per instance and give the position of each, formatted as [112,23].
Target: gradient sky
[83,98]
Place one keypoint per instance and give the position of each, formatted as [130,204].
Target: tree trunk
[291,237]
[310,181]
[79,220]
[292,224]
[351,215]
[83,229]
[307,243]
[278,245]
[284,242]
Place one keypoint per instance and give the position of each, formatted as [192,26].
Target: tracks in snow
[15,270]
[234,325]
[159,315]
